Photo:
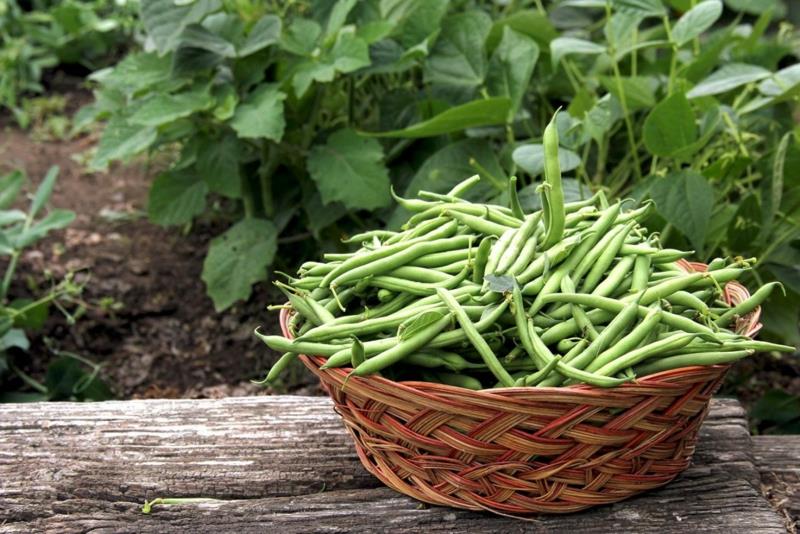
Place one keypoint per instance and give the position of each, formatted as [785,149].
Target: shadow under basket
[528,450]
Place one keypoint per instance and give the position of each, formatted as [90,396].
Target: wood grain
[778,462]
[287,463]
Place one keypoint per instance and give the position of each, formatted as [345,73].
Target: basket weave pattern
[527,450]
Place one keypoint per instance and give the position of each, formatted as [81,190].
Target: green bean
[461,381]
[550,258]
[524,258]
[747,305]
[403,348]
[432,359]
[418,288]
[300,304]
[513,199]
[364,236]
[593,254]
[615,277]
[553,282]
[686,360]
[518,241]
[357,356]
[684,298]
[419,274]
[464,186]
[534,378]
[385,264]
[279,367]
[439,259]
[410,204]
[553,212]
[427,228]
[366,258]
[384,295]
[481,257]
[641,273]
[484,226]
[629,342]
[555,379]
[605,260]
[642,353]
[282,344]
[490,213]
[586,326]
[475,338]
[497,251]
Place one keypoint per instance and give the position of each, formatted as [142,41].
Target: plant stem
[673,64]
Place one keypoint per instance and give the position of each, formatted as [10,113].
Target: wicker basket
[527,450]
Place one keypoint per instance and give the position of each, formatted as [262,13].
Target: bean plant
[292,120]
[66,376]
[39,35]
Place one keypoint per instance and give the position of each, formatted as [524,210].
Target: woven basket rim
[733,292]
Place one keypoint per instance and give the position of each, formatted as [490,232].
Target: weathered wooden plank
[78,467]
[778,461]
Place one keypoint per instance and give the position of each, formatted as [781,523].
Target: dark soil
[149,320]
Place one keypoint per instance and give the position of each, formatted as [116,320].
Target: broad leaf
[198,36]
[686,200]
[265,32]
[134,73]
[645,8]
[163,108]
[238,259]
[164,20]
[11,216]
[349,53]
[511,67]
[218,161]
[781,82]
[602,117]
[527,22]
[338,15]
[413,20]
[670,127]
[349,169]
[471,115]
[44,191]
[260,115]
[753,7]
[458,58]
[638,91]
[503,283]
[120,140]
[564,46]
[530,158]
[728,77]
[16,338]
[176,198]
[10,186]
[300,37]
[29,317]
[745,226]
[695,21]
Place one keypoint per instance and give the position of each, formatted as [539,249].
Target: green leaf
[745,226]
[15,337]
[198,36]
[266,32]
[527,22]
[753,7]
[686,200]
[349,169]
[645,8]
[670,127]
[11,216]
[574,190]
[470,115]
[776,406]
[772,185]
[238,259]
[260,115]
[120,140]
[54,220]
[163,108]
[338,15]
[413,20]
[300,37]
[33,318]
[781,82]
[176,198]
[621,29]
[10,186]
[163,20]
[602,117]
[695,21]
[44,191]
[218,161]
[413,326]
[458,58]
[530,158]
[638,91]
[511,67]
[349,53]
[565,46]
[320,215]
[503,283]
[728,77]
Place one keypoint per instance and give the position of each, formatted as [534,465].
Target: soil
[148,318]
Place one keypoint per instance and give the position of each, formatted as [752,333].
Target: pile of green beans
[483,295]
